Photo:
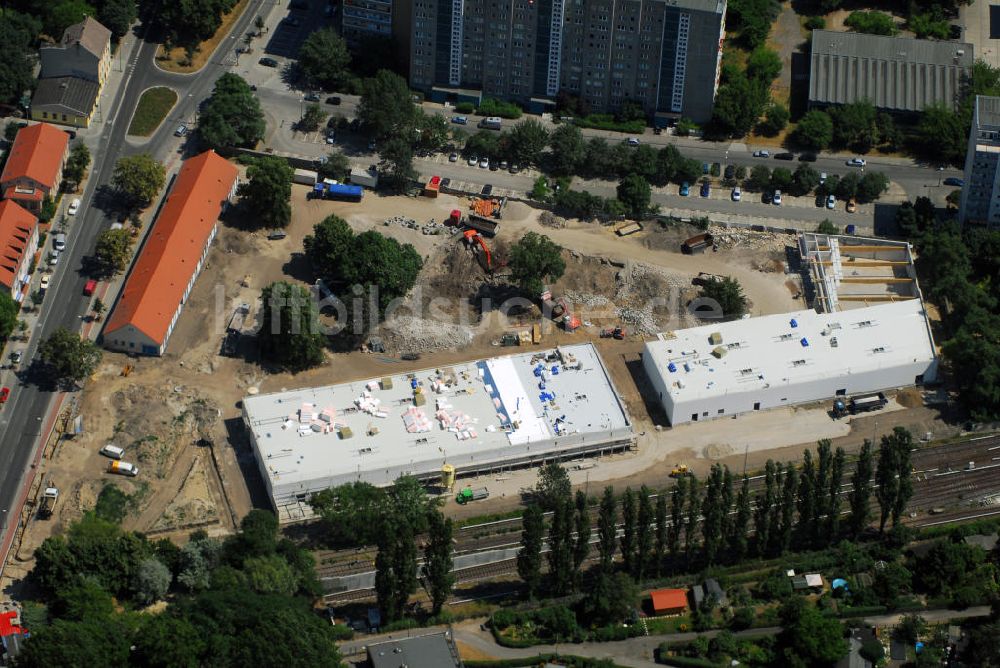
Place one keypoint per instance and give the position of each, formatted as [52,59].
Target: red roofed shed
[669,601]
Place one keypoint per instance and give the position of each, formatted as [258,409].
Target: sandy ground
[179,416]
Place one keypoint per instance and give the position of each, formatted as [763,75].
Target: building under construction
[473,418]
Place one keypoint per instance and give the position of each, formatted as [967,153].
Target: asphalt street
[65,305]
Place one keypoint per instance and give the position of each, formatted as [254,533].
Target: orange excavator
[472,237]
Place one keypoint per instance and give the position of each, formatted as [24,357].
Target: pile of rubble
[585,299]
[737,237]
[430,227]
[406,333]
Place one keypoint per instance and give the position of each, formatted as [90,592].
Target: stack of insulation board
[369,404]
[416,421]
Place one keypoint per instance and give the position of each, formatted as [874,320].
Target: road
[21,422]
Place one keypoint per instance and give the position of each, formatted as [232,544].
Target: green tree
[678,499]
[437,560]
[324,58]
[68,357]
[804,180]
[629,530]
[760,178]
[581,542]
[781,179]
[61,15]
[560,556]
[607,530]
[847,186]
[728,294]
[267,193]
[312,118]
[534,260]
[740,528]
[752,18]
[893,484]
[662,535]
[739,102]
[386,578]
[166,641]
[611,599]
[872,23]
[871,186]
[232,116]
[644,537]
[289,333]
[76,166]
[526,141]
[270,574]
[553,486]
[693,515]
[891,582]
[814,130]
[906,219]
[567,150]
[152,581]
[942,134]
[117,16]
[788,496]
[833,505]
[529,557]
[540,191]
[775,120]
[9,310]
[18,35]
[809,638]
[433,132]
[855,125]
[88,642]
[351,512]
[764,65]
[764,502]
[396,166]
[138,179]
[386,107]
[634,192]
[337,166]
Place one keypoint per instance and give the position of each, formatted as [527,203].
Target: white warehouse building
[477,417]
[729,368]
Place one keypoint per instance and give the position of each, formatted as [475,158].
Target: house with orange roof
[669,601]
[18,243]
[35,165]
[164,273]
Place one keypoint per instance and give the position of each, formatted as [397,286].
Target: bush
[872,23]
[815,23]
[491,107]
[609,122]
[465,107]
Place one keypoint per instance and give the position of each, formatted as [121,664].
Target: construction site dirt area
[178,417]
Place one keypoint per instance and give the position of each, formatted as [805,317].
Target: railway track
[940,481]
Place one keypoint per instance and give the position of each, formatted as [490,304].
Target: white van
[491,123]
[124,468]
[113,451]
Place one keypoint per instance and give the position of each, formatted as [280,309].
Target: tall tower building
[980,204]
[663,55]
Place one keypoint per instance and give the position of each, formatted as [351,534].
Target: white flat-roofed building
[477,416]
[729,368]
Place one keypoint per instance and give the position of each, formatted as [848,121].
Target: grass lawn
[665,625]
[153,107]
[172,60]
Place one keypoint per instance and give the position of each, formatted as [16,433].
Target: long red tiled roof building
[164,274]
[18,243]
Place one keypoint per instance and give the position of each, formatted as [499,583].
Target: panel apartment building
[981,192]
[662,54]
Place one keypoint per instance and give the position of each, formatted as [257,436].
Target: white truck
[362,177]
[491,123]
[306,177]
[123,468]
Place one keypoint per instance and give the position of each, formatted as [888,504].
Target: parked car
[705,189]
[764,153]
[331,123]
[784,156]
[453,157]
[503,164]
[312,97]
[276,235]
[952,181]
[766,197]
[776,200]
[730,172]
[268,62]
[333,99]
[54,258]
[831,202]
[484,163]
[852,205]
[89,287]
[737,194]
[445,182]
[514,168]
[473,161]
[113,451]
[632,141]
[15,357]
[4,395]
[487,190]
[59,242]
[460,120]
[822,178]
[716,167]
[181,131]
[44,285]
[807,157]
[685,189]
[857,162]
[74,206]
[331,137]
[705,168]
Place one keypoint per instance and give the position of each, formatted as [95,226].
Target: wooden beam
[875,279]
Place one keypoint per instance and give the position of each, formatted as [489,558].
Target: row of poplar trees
[700,523]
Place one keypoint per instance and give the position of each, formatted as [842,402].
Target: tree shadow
[298,268]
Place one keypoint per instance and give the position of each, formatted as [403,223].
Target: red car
[89,288]
[4,395]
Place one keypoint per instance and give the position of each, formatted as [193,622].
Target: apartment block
[661,54]
[980,204]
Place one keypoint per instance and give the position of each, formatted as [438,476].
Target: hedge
[568,660]
[690,661]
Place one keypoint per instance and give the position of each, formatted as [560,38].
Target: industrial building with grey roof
[477,417]
[897,74]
